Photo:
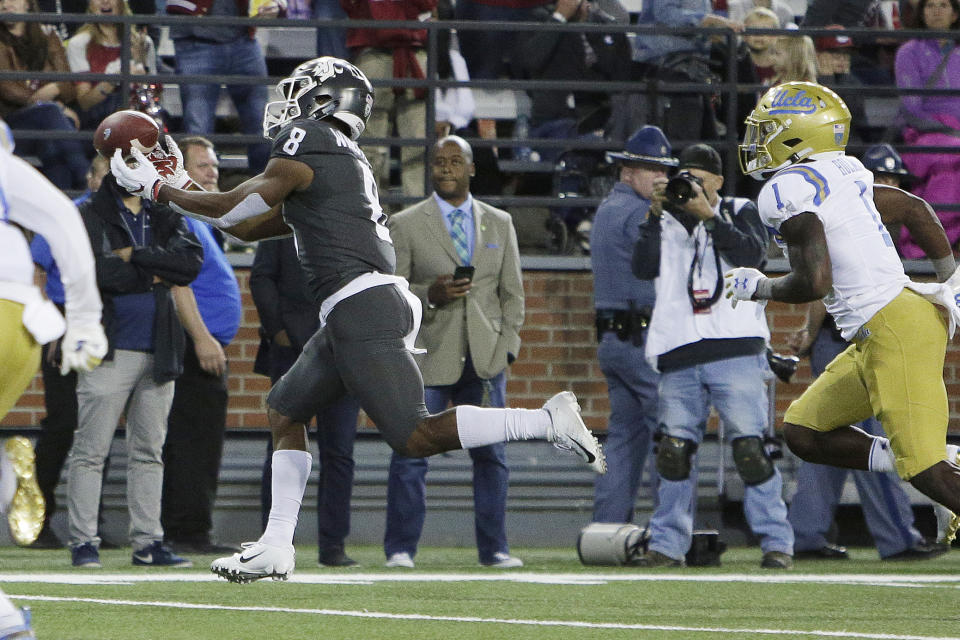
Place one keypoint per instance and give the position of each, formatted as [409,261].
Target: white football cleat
[256,560]
[568,432]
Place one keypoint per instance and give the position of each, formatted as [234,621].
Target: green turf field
[449,597]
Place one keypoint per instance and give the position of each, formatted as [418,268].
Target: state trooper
[707,353]
[623,305]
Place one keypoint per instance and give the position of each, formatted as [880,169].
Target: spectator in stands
[869,61]
[795,59]
[708,354]
[738,10]
[932,120]
[454,106]
[755,55]
[64,29]
[886,506]
[471,333]
[569,55]
[137,263]
[31,46]
[96,49]
[393,53]
[204,50]
[59,391]
[833,70]
[762,49]
[288,317]
[624,305]
[490,54]
[680,58]
[210,310]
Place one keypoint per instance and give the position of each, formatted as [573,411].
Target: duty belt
[628,324]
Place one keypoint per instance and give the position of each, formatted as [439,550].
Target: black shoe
[336,558]
[920,551]
[826,552]
[46,540]
[201,547]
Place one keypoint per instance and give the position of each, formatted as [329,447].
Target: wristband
[764,289]
[559,17]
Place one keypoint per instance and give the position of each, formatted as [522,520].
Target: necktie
[459,236]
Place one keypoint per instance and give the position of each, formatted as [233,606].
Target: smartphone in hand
[463,272]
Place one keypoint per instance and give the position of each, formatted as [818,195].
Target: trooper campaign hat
[882,158]
[648,146]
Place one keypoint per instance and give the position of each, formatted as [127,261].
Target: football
[124,129]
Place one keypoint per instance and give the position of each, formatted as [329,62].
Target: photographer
[708,353]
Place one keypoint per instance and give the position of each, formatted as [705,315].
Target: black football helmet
[321,88]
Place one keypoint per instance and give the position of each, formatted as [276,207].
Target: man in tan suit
[470,330]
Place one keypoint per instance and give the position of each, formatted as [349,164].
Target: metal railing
[729,90]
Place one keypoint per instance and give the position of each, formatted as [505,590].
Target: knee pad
[752,461]
[673,456]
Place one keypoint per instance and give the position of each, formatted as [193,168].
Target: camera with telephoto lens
[680,189]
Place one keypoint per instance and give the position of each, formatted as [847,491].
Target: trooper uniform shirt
[337,221]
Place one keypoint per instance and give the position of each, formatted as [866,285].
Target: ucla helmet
[324,87]
[790,122]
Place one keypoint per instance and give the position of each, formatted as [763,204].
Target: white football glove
[169,164]
[741,283]
[83,348]
[141,179]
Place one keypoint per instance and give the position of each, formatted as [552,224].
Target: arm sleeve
[909,70]
[39,206]
[13,91]
[77,53]
[646,252]
[58,60]
[264,286]
[744,242]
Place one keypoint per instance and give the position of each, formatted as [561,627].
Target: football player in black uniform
[319,185]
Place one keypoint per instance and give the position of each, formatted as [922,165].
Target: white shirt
[867,272]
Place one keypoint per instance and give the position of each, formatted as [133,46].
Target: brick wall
[558,352]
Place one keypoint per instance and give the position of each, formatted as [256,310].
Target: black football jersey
[337,222]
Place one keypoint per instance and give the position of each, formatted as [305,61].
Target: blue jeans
[736,388]
[886,506]
[632,391]
[336,432]
[406,487]
[238,57]
[64,162]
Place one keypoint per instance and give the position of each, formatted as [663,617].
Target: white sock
[290,470]
[881,456]
[478,427]
[952,450]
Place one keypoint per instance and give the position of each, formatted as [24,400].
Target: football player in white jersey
[30,204]
[831,218]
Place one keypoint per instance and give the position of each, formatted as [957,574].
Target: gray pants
[126,382]
[361,352]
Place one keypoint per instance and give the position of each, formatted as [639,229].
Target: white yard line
[349,577]
[478,620]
